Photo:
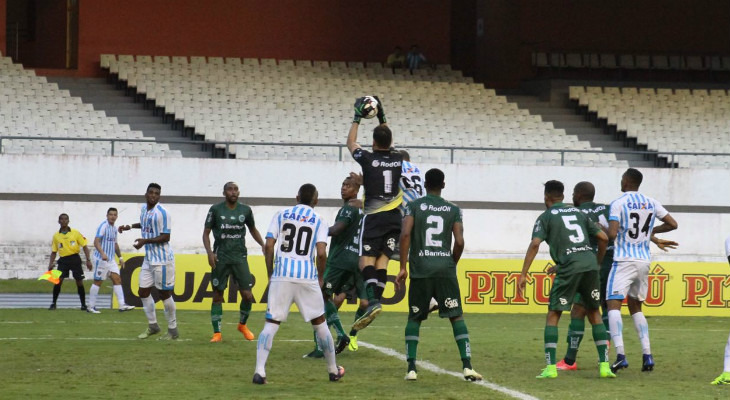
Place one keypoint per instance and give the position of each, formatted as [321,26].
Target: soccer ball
[368,106]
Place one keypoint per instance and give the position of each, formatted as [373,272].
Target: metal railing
[648,154]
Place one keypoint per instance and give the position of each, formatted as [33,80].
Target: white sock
[325,342]
[642,329]
[148,303]
[93,292]
[727,355]
[263,346]
[616,327]
[170,309]
[120,295]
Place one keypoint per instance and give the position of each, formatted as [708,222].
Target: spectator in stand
[415,58]
[396,59]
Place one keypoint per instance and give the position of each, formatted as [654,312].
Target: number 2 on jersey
[435,230]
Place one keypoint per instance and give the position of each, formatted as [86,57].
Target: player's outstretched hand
[123,228]
[359,105]
[666,244]
[381,110]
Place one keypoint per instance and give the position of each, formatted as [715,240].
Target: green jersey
[344,251]
[229,230]
[433,221]
[567,230]
[597,213]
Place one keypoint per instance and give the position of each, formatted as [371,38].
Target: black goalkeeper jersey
[381,172]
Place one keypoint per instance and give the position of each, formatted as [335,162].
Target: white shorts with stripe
[161,276]
[306,295]
[102,269]
[628,278]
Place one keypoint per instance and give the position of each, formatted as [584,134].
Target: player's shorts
[444,290]
[628,278]
[241,273]
[161,276]
[604,270]
[338,281]
[380,233]
[71,264]
[306,295]
[102,269]
[565,288]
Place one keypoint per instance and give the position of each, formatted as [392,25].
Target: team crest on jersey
[554,212]
[376,163]
[241,218]
[424,206]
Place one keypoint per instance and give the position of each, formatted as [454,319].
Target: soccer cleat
[217,338]
[259,380]
[246,332]
[353,343]
[604,369]
[620,363]
[648,364]
[411,376]
[84,308]
[149,332]
[372,312]
[550,371]
[340,373]
[52,307]
[125,307]
[93,310]
[723,379]
[471,375]
[170,335]
[564,366]
[316,353]
[342,343]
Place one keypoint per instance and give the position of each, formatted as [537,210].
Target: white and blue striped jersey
[155,222]
[107,235]
[297,230]
[411,183]
[636,215]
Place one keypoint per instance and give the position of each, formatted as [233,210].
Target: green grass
[75,355]
[36,286]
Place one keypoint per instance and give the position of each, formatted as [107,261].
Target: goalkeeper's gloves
[359,105]
[381,111]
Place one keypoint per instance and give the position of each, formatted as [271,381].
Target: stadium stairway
[104,96]
[564,117]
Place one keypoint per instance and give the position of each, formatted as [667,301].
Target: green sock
[551,343]
[461,335]
[333,318]
[412,329]
[359,313]
[600,336]
[575,336]
[245,310]
[216,314]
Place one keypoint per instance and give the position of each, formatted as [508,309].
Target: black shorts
[72,264]
[380,233]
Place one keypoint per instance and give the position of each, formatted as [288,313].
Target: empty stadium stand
[294,109]
[36,117]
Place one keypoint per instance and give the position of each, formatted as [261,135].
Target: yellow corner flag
[51,276]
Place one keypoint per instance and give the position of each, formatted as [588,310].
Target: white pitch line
[435,368]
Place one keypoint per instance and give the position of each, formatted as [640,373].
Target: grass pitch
[68,354]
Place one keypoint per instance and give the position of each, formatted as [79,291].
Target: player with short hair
[105,245]
[228,221]
[381,170]
[158,268]
[566,230]
[425,240]
[631,225]
[341,273]
[724,378]
[298,233]
[583,195]
[67,243]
